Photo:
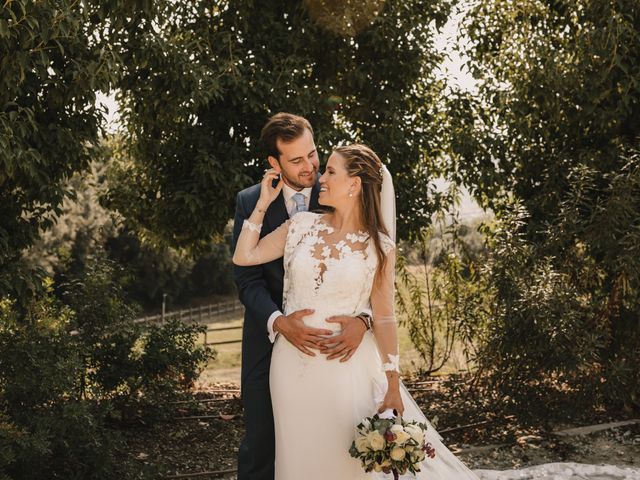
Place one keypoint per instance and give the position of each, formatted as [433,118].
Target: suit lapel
[277,213]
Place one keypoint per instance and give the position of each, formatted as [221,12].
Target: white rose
[376,440]
[398,454]
[377,467]
[417,456]
[416,433]
[403,438]
[409,448]
[395,428]
[386,463]
[401,435]
[362,444]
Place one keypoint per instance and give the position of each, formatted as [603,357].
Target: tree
[201,79]
[51,65]
[556,129]
[558,88]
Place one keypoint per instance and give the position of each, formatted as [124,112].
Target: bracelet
[366,319]
[251,226]
[393,365]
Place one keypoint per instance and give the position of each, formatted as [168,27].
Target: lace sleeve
[385,327]
[253,250]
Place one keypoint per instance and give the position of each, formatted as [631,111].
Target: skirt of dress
[317,404]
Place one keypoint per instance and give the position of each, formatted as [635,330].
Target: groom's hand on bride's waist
[300,335]
[345,344]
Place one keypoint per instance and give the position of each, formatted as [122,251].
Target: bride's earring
[350,194]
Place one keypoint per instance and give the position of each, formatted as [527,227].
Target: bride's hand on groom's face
[345,344]
[298,333]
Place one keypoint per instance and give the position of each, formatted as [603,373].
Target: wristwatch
[366,319]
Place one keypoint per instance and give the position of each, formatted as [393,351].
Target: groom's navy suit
[260,290]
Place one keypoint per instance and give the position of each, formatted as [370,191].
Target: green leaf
[4,28]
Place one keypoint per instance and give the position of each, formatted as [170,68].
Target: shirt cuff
[270,322]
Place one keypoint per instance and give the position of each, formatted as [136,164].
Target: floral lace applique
[310,237]
[325,254]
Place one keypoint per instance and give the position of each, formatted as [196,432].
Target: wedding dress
[317,403]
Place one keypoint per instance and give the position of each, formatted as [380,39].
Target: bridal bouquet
[391,445]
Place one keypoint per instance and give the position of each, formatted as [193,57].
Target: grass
[226,366]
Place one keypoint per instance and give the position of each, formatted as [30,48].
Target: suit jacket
[260,286]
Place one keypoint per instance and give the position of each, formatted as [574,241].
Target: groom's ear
[275,164]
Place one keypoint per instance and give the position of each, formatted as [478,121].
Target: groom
[292,153]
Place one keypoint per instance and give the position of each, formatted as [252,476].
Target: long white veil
[388,202]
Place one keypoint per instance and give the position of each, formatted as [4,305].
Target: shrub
[69,368]
[442,300]
[559,334]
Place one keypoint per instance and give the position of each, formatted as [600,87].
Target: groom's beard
[301,181]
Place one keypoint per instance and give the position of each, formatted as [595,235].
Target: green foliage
[554,130]
[213,271]
[201,79]
[46,430]
[52,64]
[138,366]
[69,369]
[81,228]
[172,361]
[557,89]
[151,270]
[442,300]
[542,338]
[558,334]
[599,226]
[84,227]
[154,270]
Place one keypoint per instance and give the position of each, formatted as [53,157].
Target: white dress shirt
[290,205]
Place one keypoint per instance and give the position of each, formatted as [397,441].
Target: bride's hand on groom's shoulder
[345,344]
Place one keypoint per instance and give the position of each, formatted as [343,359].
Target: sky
[452,68]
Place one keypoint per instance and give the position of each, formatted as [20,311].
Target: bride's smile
[337,188]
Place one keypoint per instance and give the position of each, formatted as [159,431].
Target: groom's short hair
[285,127]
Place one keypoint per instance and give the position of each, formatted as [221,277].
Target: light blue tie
[300,205]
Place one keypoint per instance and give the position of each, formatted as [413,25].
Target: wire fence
[202,315]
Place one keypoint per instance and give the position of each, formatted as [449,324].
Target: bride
[337,263]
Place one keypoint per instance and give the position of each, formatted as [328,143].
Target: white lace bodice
[331,275]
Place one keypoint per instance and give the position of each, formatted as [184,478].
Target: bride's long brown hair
[361,161]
